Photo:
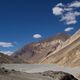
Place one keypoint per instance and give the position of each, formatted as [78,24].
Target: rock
[59,75]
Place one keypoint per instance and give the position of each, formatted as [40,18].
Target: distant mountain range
[8,59]
[4,58]
[61,49]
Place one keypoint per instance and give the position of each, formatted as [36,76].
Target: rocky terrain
[8,59]
[68,54]
[34,52]
[6,74]
[61,49]
[5,58]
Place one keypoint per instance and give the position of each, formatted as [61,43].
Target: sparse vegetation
[4,71]
[13,70]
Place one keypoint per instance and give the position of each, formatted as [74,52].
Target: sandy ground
[24,76]
[34,68]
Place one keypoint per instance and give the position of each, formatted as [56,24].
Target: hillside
[61,49]
[68,54]
[5,58]
[34,52]
[8,59]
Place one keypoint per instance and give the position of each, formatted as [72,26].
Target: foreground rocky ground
[6,74]
[37,72]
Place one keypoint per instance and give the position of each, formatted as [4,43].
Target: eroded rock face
[66,55]
[59,75]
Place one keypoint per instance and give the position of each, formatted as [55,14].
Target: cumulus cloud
[57,10]
[37,36]
[68,29]
[67,13]
[75,4]
[6,44]
[70,17]
[7,52]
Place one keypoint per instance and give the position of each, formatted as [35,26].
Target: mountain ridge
[63,59]
[67,42]
[36,51]
[61,49]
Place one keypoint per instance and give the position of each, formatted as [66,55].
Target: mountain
[5,58]
[8,59]
[61,49]
[68,54]
[35,52]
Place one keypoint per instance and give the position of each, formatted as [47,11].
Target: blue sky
[26,21]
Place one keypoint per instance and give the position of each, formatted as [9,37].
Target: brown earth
[68,55]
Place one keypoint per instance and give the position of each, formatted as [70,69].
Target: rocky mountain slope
[68,54]
[61,49]
[8,59]
[5,58]
[35,52]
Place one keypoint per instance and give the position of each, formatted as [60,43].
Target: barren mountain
[68,54]
[61,49]
[8,59]
[35,52]
[5,58]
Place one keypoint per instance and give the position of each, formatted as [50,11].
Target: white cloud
[37,36]
[67,13]
[70,17]
[6,44]
[57,10]
[7,52]
[77,13]
[68,29]
[75,4]
[60,5]
[68,9]
[71,22]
